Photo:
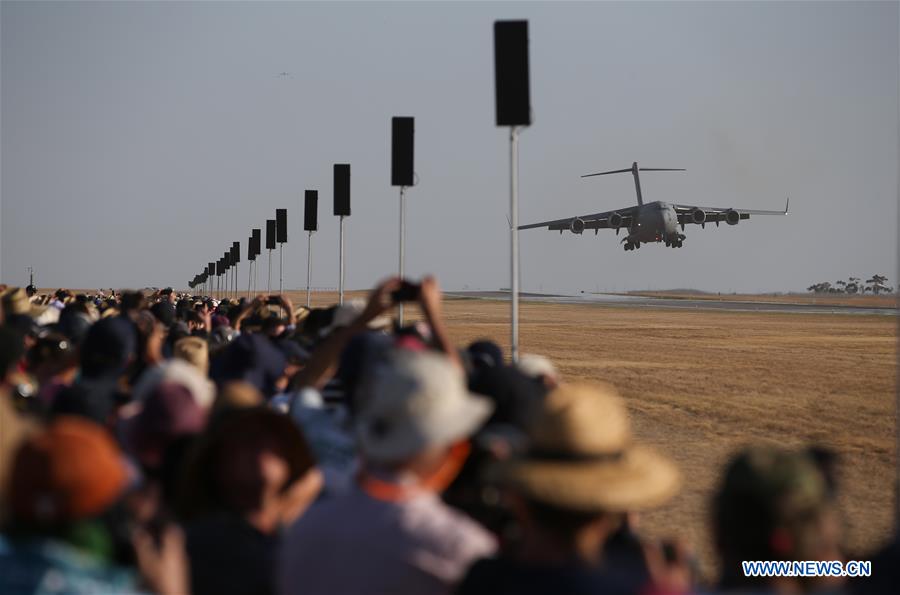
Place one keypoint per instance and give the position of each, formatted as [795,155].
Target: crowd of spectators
[157,442]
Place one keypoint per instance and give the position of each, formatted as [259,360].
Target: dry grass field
[701,384]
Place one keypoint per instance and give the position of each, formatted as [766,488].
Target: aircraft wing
[592,221]
[715,214]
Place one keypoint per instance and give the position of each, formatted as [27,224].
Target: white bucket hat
[414,401]
[346,313]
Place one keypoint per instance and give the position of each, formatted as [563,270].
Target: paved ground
[679,303]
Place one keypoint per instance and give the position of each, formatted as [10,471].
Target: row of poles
[210,279]
[513,109]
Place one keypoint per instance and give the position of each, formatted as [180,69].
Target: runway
[633,301]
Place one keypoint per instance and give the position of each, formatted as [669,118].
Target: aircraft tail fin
[634,169]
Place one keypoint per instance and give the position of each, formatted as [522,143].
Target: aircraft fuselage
[655,222]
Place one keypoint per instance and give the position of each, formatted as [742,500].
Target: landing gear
[676,242]
[632,245]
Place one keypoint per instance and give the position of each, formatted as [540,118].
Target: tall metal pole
[341,272]
[269,283]
[309,266]
[402,243]
[281,268]
[249,279]
[514,238]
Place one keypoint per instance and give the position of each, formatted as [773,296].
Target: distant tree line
[877,284]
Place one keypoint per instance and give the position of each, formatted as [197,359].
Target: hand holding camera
[406,292]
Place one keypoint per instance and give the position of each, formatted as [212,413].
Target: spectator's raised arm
[324,361]
[285,303]
[430,302]
[253,306]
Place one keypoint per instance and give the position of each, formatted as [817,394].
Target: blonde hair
[238,394]
[195,351]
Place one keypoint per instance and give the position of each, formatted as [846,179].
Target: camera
[407,292]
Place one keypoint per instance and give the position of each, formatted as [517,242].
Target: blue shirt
[47,566]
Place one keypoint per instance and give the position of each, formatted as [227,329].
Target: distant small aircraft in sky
[651,222]
[283,74]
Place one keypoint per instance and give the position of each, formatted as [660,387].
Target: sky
[139,140]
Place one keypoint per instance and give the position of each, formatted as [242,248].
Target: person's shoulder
[447,529]
[26,567]
[322,516]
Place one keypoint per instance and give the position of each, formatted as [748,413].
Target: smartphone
[407,292]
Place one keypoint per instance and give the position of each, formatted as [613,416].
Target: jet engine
[615,220]
[732,217]
[698,216]
[577,225]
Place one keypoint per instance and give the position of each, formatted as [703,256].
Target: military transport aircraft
[651,222]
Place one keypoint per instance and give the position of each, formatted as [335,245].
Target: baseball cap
[767,488]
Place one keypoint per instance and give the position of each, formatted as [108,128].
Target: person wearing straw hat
[581,477]
[390,532]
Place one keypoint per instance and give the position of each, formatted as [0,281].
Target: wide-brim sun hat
[412,402]
[15,301]
[583,458]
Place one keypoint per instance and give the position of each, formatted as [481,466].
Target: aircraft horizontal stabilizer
[631,169]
